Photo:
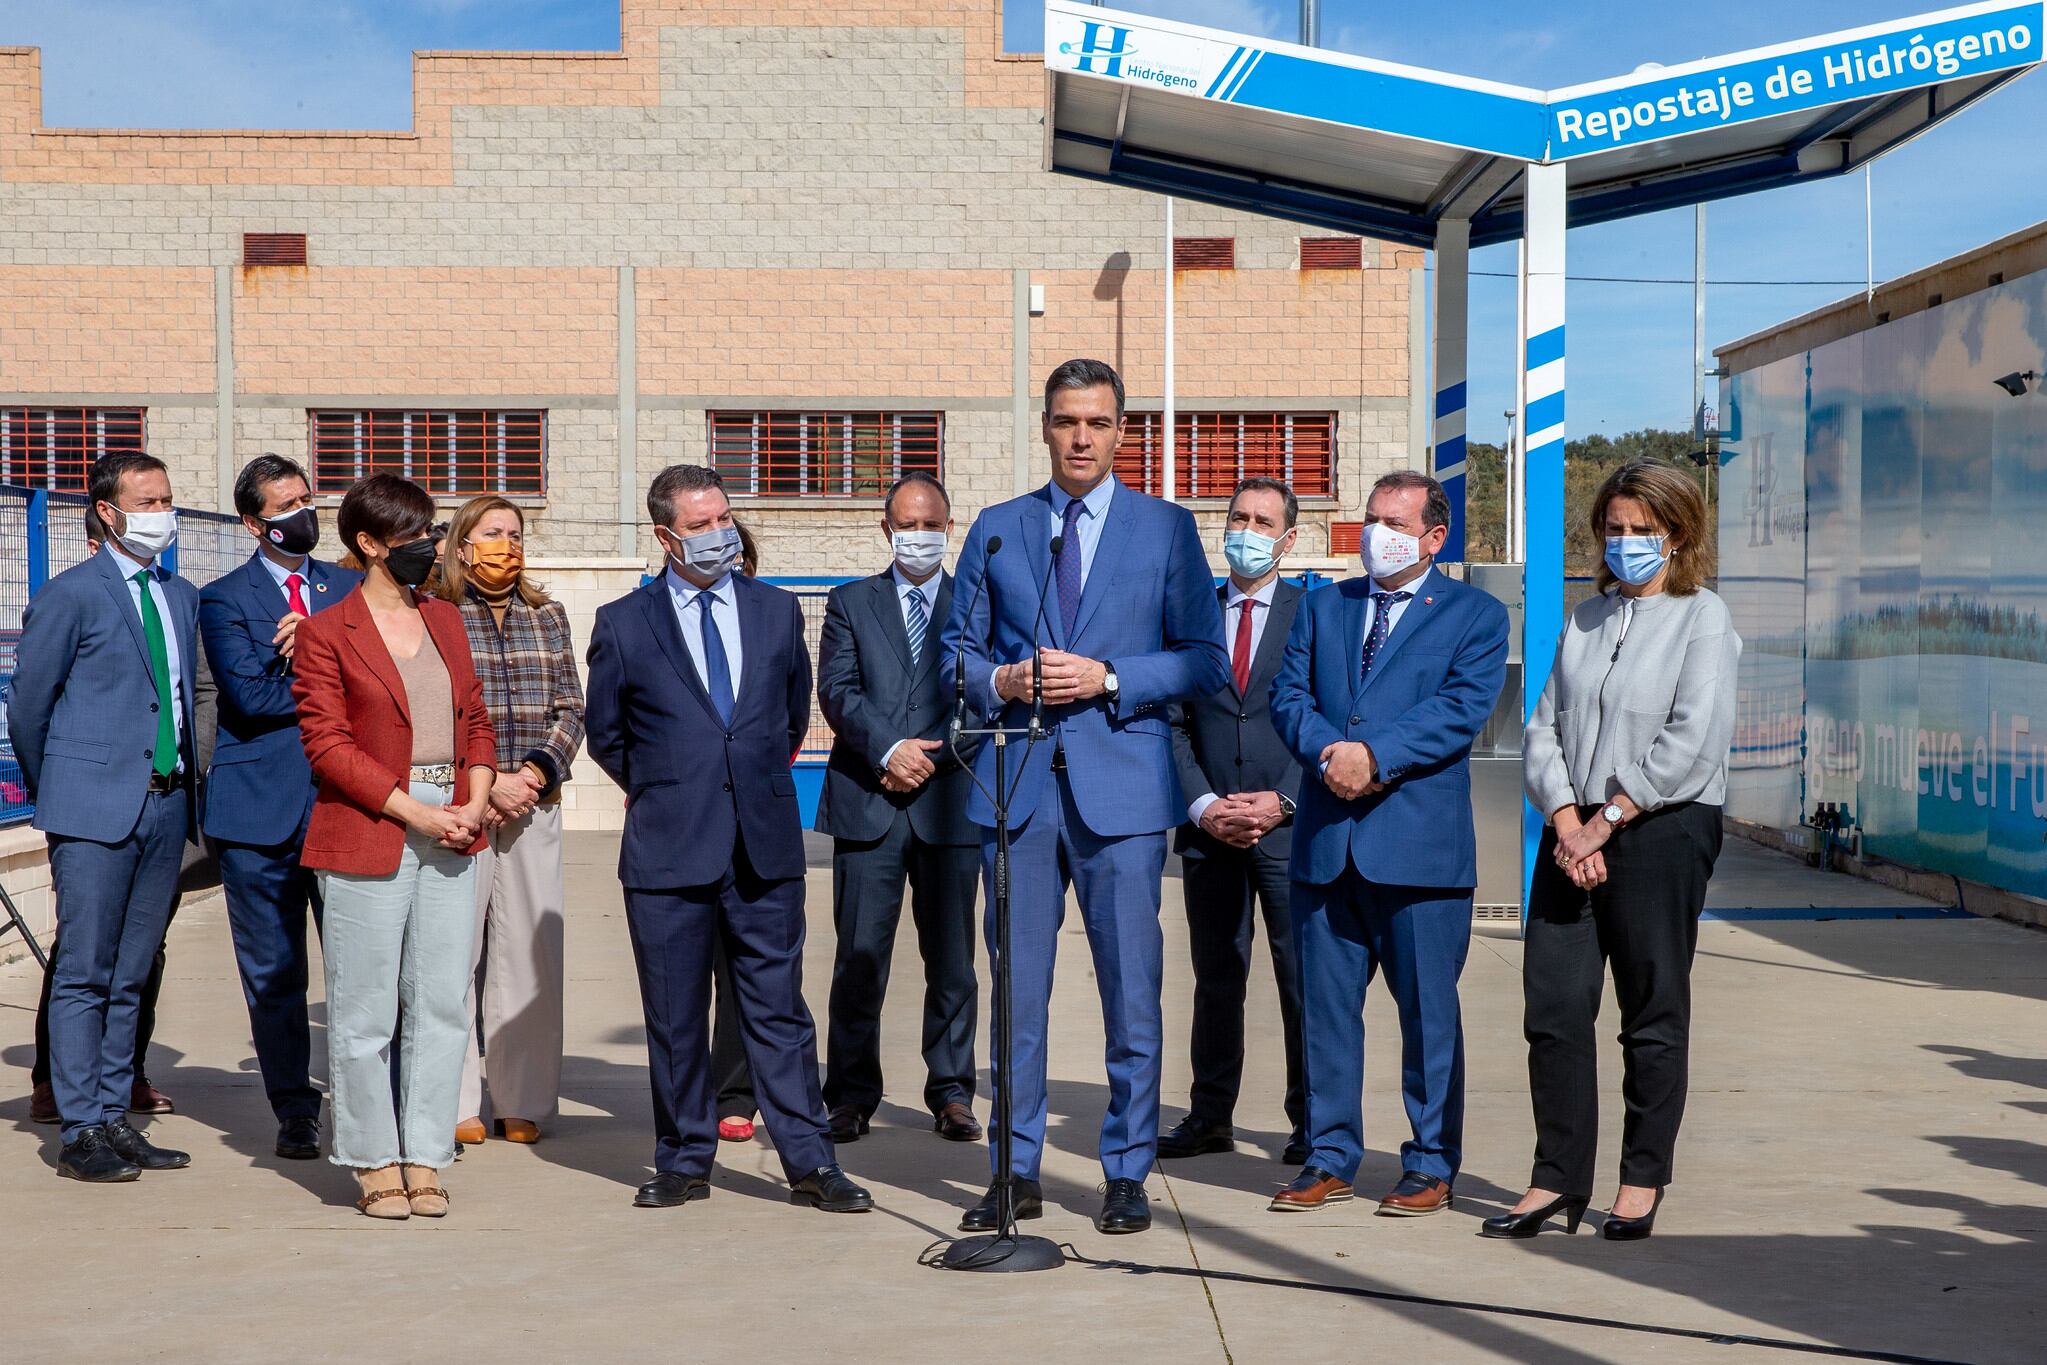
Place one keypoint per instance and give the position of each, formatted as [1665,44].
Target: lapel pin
[319,587]
[1426,601]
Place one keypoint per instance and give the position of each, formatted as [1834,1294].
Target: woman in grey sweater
[1626,757]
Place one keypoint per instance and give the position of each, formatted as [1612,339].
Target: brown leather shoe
[1312,1188]
[42,1105]
[469,1132]
[956,1123]
[144,1098]
[1416,1196]
[519,1130]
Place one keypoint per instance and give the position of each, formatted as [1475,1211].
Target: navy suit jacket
[874,696]
[693,786]
[1224,743]
[1432,686]
[1148,609]
[260,786]
[82,709]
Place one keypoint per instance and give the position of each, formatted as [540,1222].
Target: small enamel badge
[1426,601]
[319,587]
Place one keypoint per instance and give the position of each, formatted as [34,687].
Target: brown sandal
[371,1198]
[414,1194]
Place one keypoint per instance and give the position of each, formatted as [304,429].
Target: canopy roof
[1388,151]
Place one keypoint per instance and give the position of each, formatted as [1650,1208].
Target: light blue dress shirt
[126,567]
[278,573]
[1394,611]
[929,587]
[724,614]
[1089,528]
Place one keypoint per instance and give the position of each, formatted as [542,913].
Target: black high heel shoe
[1631,1229]
[1519,1225]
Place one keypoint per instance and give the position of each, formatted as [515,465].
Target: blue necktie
[1382,612]
[918,623]
[1069,568]
[717,670]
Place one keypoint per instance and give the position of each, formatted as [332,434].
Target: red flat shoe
[735,1130]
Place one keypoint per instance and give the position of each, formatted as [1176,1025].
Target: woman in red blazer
[394,725]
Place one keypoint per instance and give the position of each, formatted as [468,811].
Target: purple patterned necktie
[1069,568]
[1382,609]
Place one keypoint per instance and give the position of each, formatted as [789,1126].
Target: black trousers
[1226,894]
[867,905]
[145,1016]
[730,1075]
[1644,920]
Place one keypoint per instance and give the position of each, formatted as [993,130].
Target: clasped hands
[910,766]
[1241,820]
[1349,769]
[512,795]
[1578,848]
[452,826]
[1066,677]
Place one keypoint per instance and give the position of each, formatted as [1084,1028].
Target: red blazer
[358,732]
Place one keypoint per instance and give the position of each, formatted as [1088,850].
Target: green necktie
[166,751]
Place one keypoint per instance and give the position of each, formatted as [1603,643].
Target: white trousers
[519,895]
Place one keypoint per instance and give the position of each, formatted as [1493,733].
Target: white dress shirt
[127,568]
[929,587]
[724,614]
[1233,612]
[1088,531]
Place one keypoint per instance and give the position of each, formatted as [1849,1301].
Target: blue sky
[346,64]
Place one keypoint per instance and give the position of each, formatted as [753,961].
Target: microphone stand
[1004,1250]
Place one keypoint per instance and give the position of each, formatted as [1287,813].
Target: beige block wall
[96,329]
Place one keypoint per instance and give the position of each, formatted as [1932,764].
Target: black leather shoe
[1520,1226]
[122,1137]
[1297,1151]
[1631,1229]
[832,1190]
[1192,1137]
[670,1189]
[299,1139]
[1124,1208]
[847,1123]
[91,1157]
[1030,1203]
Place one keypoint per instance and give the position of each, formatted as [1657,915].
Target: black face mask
[294,533]
[412,564]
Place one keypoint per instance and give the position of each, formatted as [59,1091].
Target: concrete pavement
[1860,1170]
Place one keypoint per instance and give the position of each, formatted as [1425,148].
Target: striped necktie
[917,622]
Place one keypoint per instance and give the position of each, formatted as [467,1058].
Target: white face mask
[918,552]
[148,534]
[1388,552]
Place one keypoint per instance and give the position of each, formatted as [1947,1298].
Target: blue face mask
[1249,553]
[1635,559]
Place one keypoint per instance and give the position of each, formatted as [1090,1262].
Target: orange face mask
[496,564]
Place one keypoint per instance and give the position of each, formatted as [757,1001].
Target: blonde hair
[1673,499]
[450,582]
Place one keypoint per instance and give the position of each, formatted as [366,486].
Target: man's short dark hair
[1436,511]
[104,483]
[1085,374]
[915,476]
[1261,483]
[257,476]
[671,483]
[393,510]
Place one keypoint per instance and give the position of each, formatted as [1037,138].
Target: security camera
[2015,382]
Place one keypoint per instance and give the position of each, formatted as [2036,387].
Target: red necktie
[295,599]
[1240,660]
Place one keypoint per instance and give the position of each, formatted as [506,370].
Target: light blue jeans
[398,947]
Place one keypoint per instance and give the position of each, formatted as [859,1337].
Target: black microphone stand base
[996,1252]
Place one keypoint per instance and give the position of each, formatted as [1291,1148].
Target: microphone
[1037,665]
[959,674]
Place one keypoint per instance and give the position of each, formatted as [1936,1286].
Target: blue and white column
[1542,441]
[1452,299]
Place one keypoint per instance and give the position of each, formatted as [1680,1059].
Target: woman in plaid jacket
[519,637]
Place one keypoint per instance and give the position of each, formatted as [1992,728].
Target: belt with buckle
[161,782]
[437,775]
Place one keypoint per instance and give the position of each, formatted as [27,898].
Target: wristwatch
[1286,804]
[1109,683]
[1613,815]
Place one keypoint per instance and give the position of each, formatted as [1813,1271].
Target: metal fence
[41,535]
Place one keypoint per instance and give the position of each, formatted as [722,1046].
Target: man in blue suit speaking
[1386,682]
[1107,602]
[259,791]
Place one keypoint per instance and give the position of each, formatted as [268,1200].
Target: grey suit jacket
[873,696]
[1225,743]
[82,706]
